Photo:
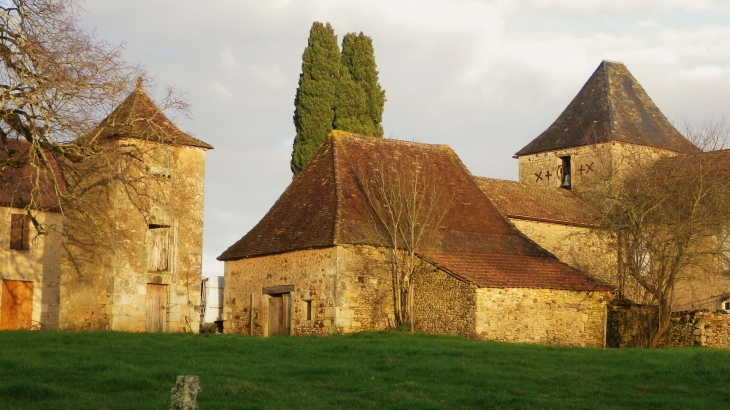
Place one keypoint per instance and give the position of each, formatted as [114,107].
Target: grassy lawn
[108,370]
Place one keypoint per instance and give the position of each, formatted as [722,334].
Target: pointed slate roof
[140,118]
[326,205]
[611,106]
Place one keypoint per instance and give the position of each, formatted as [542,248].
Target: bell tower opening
[565,180]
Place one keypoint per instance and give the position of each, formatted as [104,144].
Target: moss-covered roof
[139,117]
[611,106]
[326,205]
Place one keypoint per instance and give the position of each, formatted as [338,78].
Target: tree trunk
[664,316]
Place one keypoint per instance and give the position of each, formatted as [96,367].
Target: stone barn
[310,266]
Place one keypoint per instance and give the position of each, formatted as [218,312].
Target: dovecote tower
[610,124]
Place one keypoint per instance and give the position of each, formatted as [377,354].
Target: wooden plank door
[156,307]
[279,314]
[17,305]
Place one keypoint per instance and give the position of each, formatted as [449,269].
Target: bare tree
[667,219]
[408,199]
[56,83]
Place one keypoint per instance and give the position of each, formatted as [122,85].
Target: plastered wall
[40,264]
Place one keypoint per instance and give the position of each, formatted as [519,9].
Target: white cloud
[221,91]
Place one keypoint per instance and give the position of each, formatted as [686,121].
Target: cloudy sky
[485,77]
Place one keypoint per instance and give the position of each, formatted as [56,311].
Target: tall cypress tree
[358,57]
[351,111]
[315,99]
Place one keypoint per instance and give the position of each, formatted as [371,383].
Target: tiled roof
[611,106]
[712,163]
[326,205]
[511,271]
[520,201]
[22,183]
[139,117]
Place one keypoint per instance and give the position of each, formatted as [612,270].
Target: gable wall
[40,264]
[580,247]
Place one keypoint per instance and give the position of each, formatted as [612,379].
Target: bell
[566,181]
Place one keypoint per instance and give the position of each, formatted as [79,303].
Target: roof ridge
[336,176]
[608,97]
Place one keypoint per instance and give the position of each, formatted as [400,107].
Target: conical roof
[326,205]
[140,118]
[611,106]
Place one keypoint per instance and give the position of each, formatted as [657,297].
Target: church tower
[611,125]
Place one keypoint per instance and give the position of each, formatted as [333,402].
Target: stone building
[132,258]
[126,252]
[608,129]
[311,266]
[30,272]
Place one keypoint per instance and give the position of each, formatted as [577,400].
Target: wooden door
[279,314]
[17,305]
[156,307]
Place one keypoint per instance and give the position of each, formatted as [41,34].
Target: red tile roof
[140,118]
[520,201]
[611,106]
[326,205]
[24,185]
[508,271]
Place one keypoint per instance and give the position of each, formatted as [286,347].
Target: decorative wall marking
[548,175]
[539,176]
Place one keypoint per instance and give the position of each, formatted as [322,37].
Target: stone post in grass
[185,393]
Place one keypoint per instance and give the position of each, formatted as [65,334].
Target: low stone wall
[544,316]
[698,328]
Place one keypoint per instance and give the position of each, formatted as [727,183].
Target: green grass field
[109,370]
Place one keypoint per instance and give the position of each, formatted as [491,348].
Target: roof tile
[326,205]
[521,201]
[611,106]
[139,117]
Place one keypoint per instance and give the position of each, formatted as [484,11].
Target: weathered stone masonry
[542,316]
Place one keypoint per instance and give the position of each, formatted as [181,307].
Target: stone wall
[698,328]
[313,273]
[542,316]
[349,288]
[444,304]
[40,264]
[588,163]
[131,186]
[583,248]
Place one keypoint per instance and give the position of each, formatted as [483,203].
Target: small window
[564,173]
[158,248]
[19,232]
[726,305]
[309,309]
